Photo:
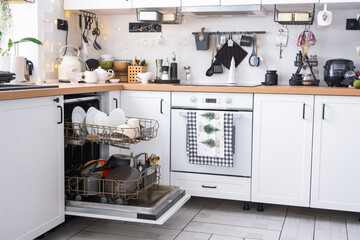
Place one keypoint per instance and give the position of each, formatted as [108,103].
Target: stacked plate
[95,117]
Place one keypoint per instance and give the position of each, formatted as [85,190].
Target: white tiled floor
[214,219]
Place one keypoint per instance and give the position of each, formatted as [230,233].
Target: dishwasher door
[154,205]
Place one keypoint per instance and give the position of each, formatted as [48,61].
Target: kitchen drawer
[213,186]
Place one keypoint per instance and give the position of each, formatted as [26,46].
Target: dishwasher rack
[112,191]
[79,133]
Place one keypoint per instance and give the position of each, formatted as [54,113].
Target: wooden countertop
[67,88]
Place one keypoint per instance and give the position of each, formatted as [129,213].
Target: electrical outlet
[62,25]
[352,24]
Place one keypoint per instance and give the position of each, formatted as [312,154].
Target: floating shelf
[293,22]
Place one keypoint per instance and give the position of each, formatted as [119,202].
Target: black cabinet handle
[116,102]
[161,106]
[323,112]
[61,115]
[304,105]
[213,187]
[57,100]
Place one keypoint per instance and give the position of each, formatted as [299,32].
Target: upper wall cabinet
[291,2]
[192,3]
[239,2]
[155,3]
[338,1]
[93,4]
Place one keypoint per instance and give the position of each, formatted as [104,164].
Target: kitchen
[274,181]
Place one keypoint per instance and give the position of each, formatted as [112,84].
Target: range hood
[253,9]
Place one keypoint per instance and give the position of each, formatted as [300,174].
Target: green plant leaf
[10,43]
[209,129]
[208,115]
[33,40]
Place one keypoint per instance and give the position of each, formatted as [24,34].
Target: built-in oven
[154,205]
[240,106]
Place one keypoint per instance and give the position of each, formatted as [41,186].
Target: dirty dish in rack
[128,131]
[116,117]
[78,115]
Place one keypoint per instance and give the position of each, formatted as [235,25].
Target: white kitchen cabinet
[32,159]
[239,2]
[155,3]
[339,1]
[282,143]
[192,3]
[288,2]
[154,105]
[93,4]
[335,171]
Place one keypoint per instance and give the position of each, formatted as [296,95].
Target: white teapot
[103,75]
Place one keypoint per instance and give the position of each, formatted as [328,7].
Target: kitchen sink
[11,87]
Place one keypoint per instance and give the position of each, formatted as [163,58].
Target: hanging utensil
[210,71]
[96,33]
[90,22]
[85,29]
[80,26]
[217,64]
[254,60]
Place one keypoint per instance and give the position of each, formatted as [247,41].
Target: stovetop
[11,87]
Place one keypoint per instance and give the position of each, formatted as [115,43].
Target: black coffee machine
[334,71]
[303,62]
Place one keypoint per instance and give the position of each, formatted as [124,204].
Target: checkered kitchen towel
[192,142]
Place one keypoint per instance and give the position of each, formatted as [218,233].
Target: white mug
[102,76]
[143,77]
[90,77]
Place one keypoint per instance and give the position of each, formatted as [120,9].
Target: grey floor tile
[69,228]
[210,203]
[221,237]
[353,229]
[85,235]
[193,236]
[298,227]
[324,213]
[234,231]
[241,219]
[147,232]
[329,228]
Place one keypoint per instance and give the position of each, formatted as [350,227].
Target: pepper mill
[173,68]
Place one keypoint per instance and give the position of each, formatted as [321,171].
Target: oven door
[241,144]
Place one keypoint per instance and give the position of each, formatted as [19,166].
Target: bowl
[106,65]
[114,80]
[121,65]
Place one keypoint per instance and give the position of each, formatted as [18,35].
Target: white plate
[116,117]
[101,119]
[78,115]
[90,117]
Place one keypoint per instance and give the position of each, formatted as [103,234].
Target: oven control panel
[212,100]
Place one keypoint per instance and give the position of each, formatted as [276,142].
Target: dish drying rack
[80,133]
[76,187]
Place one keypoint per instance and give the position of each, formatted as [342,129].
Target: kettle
[68,63]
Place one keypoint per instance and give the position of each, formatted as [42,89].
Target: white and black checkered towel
[227,160]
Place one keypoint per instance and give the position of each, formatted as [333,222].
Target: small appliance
[68,64]
[335,69]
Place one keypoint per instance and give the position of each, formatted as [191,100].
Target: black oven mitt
[226,53]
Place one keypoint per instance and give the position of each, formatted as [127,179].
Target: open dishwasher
[146,201]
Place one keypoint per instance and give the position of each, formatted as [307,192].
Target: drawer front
[212,186]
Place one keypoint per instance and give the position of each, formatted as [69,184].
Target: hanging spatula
[217,64]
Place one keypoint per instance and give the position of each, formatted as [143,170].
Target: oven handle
[235,115]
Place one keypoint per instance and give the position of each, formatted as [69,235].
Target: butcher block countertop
[67,88]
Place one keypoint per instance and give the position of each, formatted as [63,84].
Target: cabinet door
[32,159]
[339,1]
[93,4]
[282,149]
[239,2]
[155,3]
[192,3]
[154,105]
[288,2]
[335,171]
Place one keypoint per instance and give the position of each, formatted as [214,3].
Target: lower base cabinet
[213,186]
[32,163]
[336,154]
[282,140]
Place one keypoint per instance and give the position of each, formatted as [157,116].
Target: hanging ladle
[254,59]
[96,33]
